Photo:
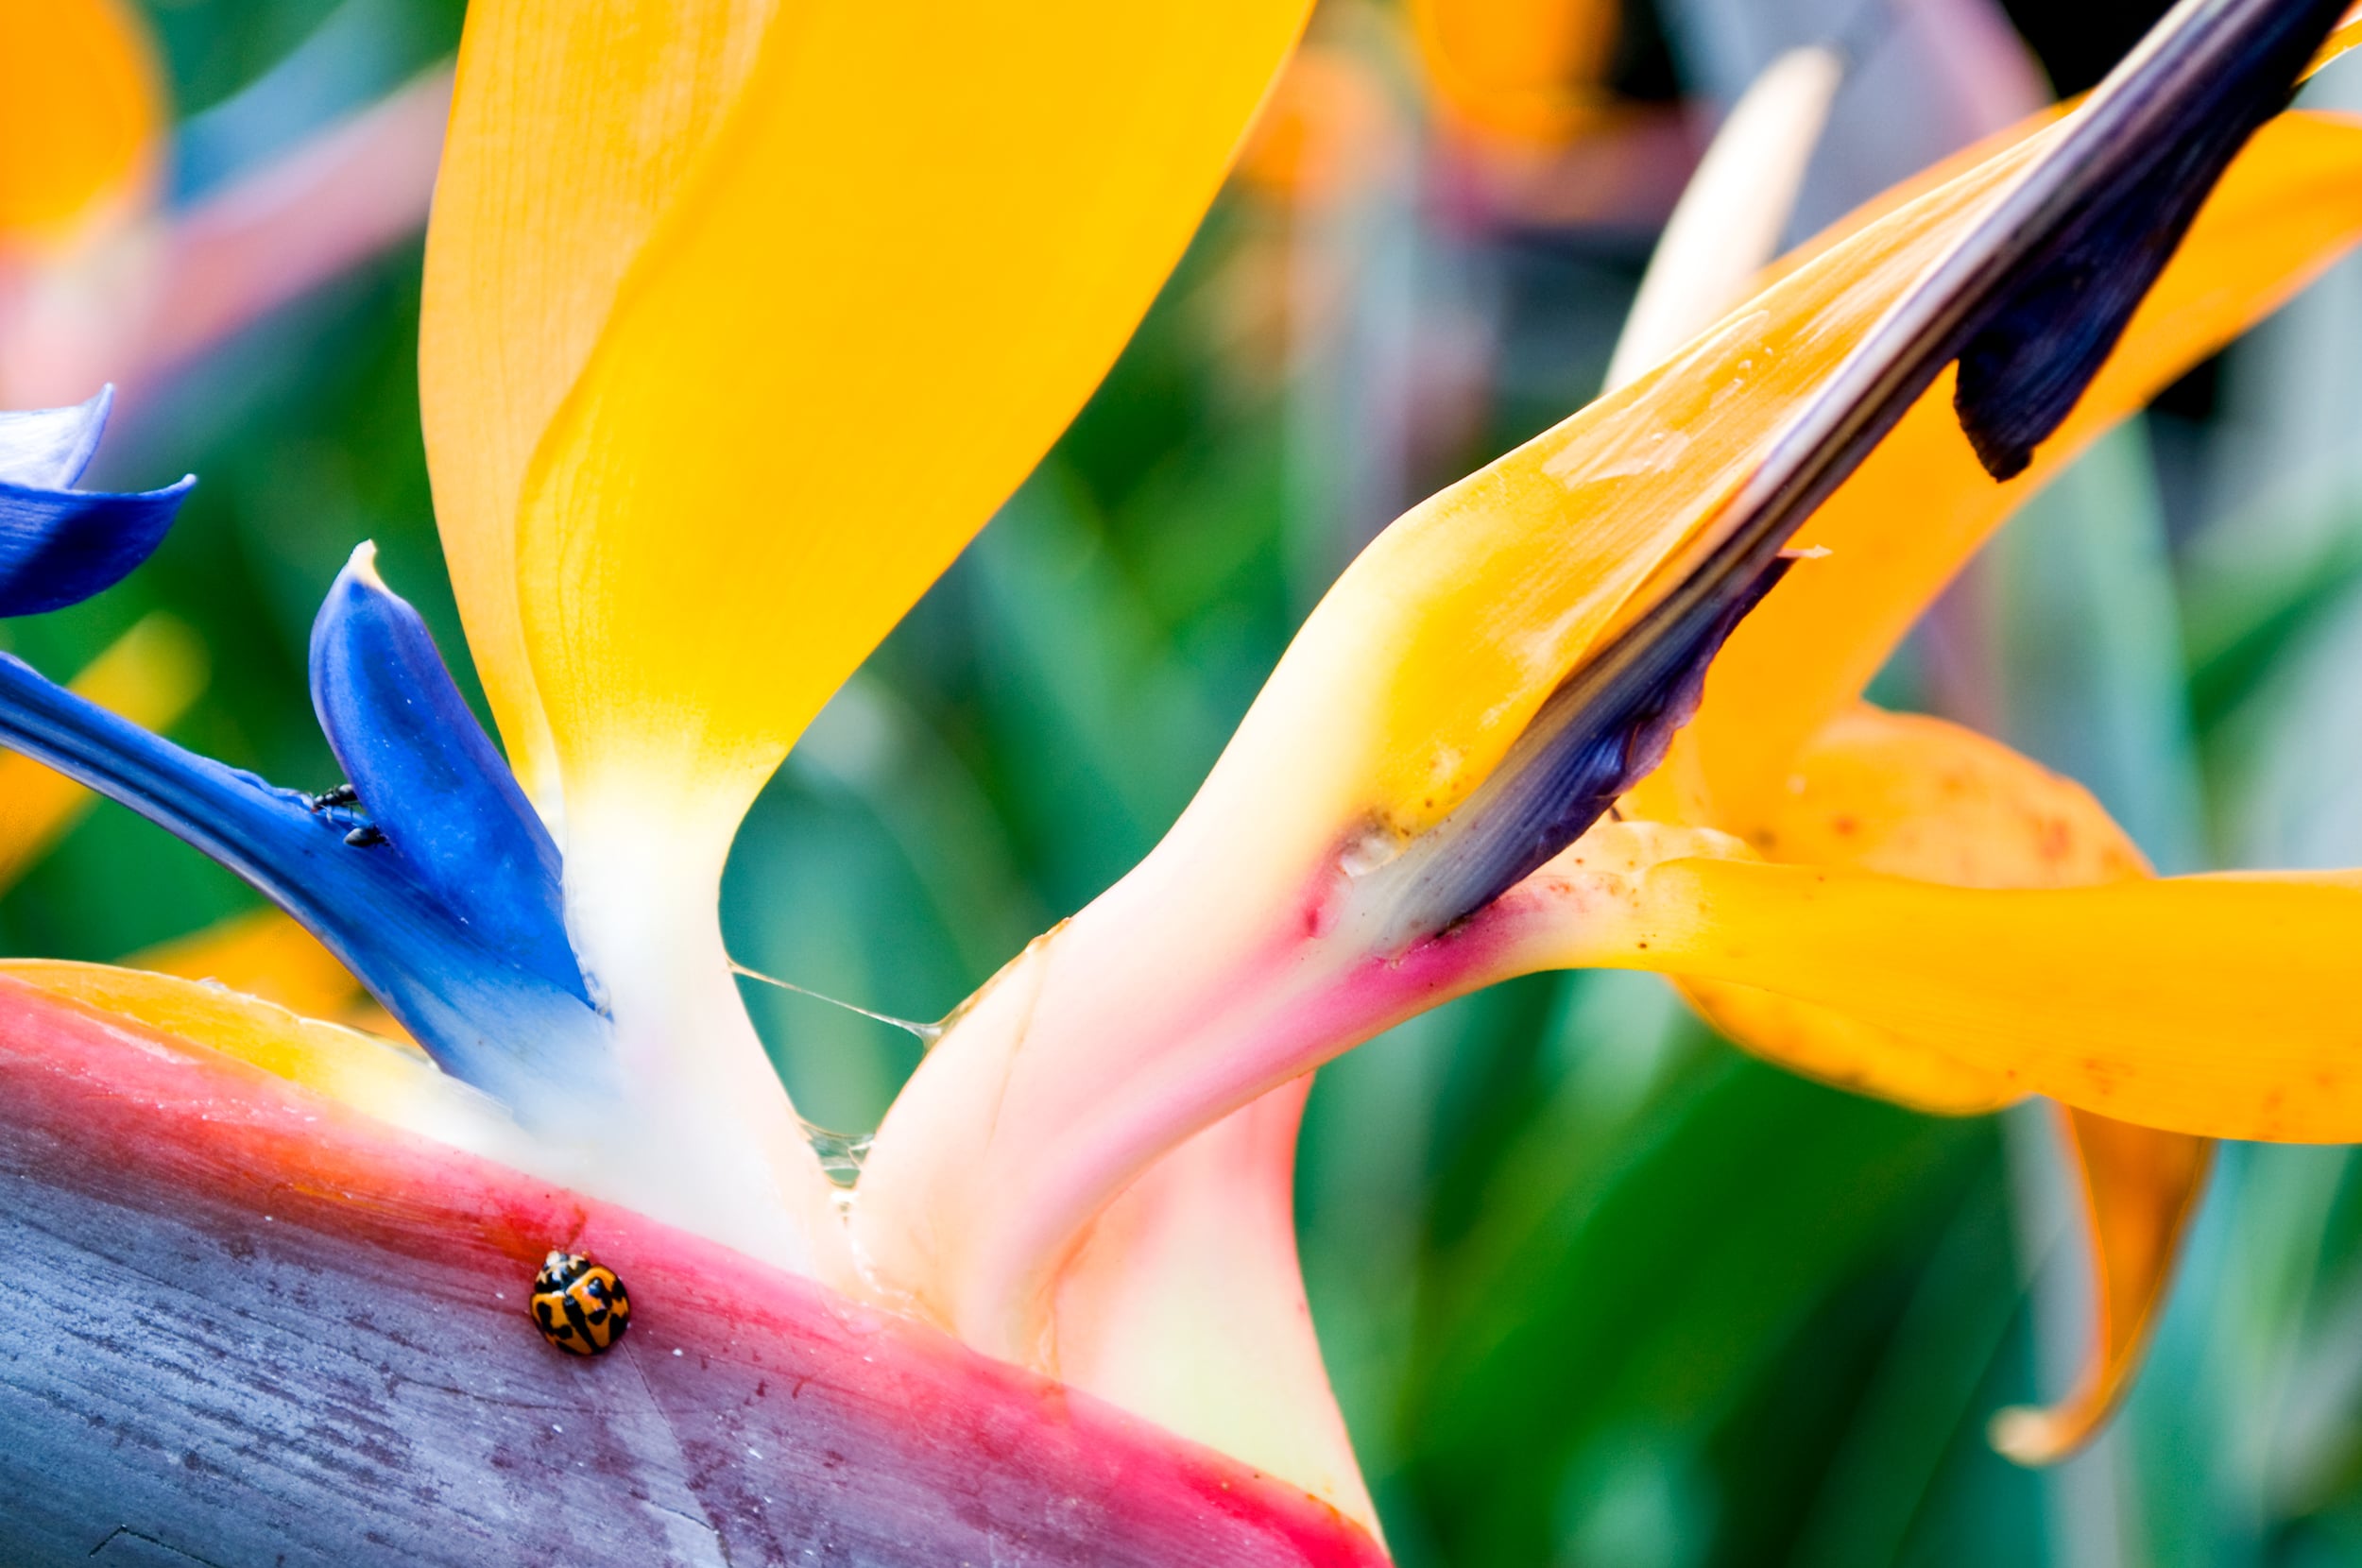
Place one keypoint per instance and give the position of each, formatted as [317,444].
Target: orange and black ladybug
[579,1305]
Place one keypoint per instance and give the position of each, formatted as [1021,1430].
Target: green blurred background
[1595,1287]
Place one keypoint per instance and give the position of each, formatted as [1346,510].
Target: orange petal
[1912,796]
[2213,1005]
[2140,1188]
[1528,71]
[1921,504]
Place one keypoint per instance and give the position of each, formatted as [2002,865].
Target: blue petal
[59,546]
[429,778]
[498,1022]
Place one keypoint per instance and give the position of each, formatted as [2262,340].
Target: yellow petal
[1921,504]
[1822,1043]
[573,127]
[376,1076]
[265,954]
[1918,796]
[1912,796]
[909,258]
[149,675]
[2213,1005]
[2140,1188]
[81,109]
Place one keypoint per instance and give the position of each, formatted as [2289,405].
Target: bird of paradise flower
[1087,1174]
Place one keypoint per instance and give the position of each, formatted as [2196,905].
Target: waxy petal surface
[303,1332]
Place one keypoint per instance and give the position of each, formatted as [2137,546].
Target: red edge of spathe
[98,1109]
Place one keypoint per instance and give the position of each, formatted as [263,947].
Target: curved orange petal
[1918,798]
[2140,1188]
[1911,796]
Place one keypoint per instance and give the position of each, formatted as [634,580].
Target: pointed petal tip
[361,567]
[59,547]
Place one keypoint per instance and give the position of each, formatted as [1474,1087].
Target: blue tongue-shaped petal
[428,780]
[57,545]
[438,886]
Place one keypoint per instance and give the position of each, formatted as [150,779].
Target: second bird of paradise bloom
[740,322]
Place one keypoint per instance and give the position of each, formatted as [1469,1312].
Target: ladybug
[579,1305]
